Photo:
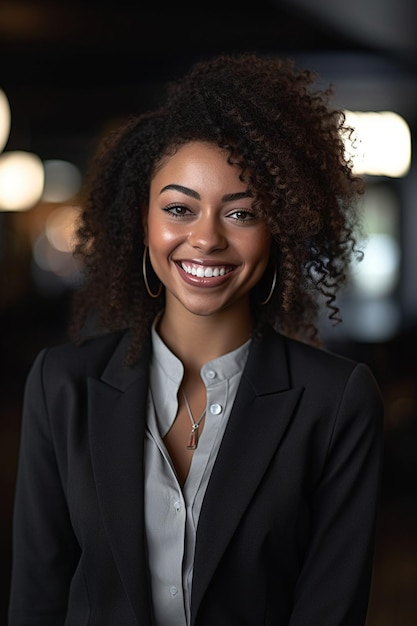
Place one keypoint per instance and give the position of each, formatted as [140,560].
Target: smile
[205,271]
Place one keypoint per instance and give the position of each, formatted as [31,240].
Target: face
[206,243]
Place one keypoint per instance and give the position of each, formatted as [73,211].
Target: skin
[200,217]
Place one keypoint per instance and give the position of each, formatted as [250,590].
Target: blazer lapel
[117,410]
[263,408]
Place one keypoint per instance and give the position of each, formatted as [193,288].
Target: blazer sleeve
[334,584]
[45,550]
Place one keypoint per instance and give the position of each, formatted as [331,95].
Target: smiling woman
[206,244]
[193,456]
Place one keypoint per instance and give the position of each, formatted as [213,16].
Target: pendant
[193,438]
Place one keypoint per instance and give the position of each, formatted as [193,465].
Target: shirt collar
[167,371]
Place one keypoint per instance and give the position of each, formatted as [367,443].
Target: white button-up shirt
[171,513]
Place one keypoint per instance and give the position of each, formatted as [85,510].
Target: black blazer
[286,531]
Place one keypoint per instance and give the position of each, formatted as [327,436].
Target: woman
[197,457]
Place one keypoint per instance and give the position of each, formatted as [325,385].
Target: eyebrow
[229,197]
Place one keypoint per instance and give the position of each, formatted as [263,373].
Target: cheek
[159,234]
[162,241]
[258,247]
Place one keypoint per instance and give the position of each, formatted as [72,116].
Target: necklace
[193,438]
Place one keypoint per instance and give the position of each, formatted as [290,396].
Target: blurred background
[72,70]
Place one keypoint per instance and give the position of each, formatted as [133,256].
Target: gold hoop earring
[145,277]
[271,291]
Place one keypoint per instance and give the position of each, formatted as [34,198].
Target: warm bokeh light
[21,180]
[5,119]
[53,271]
[54,267]
[380,144]
[62,180]
[54,261]
[60,228]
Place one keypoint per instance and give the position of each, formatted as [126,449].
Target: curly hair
[289,146]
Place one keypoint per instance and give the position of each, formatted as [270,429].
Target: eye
[177,210]
[242,215]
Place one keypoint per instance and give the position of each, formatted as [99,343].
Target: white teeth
[204,272]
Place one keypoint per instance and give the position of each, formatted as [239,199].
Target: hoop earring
[271,291]
[145,277]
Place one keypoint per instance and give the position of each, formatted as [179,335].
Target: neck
[196,339]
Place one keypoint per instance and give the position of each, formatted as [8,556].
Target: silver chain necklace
[193,438]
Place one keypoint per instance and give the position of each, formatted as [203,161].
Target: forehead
[201,162]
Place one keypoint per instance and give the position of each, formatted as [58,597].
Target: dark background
[73,69]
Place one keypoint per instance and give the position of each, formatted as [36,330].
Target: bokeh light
[21,180]
[378,273]
[380,144]
[54,267]
[62,180]
[5,119]
[60,228]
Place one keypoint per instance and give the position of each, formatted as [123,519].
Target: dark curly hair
[289,145]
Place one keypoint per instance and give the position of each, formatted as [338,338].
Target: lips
[205,271]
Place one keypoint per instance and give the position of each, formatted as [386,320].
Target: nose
[207,234]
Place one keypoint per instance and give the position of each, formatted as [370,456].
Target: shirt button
[177,505]
[173,591]
[211,374]
[215,408]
